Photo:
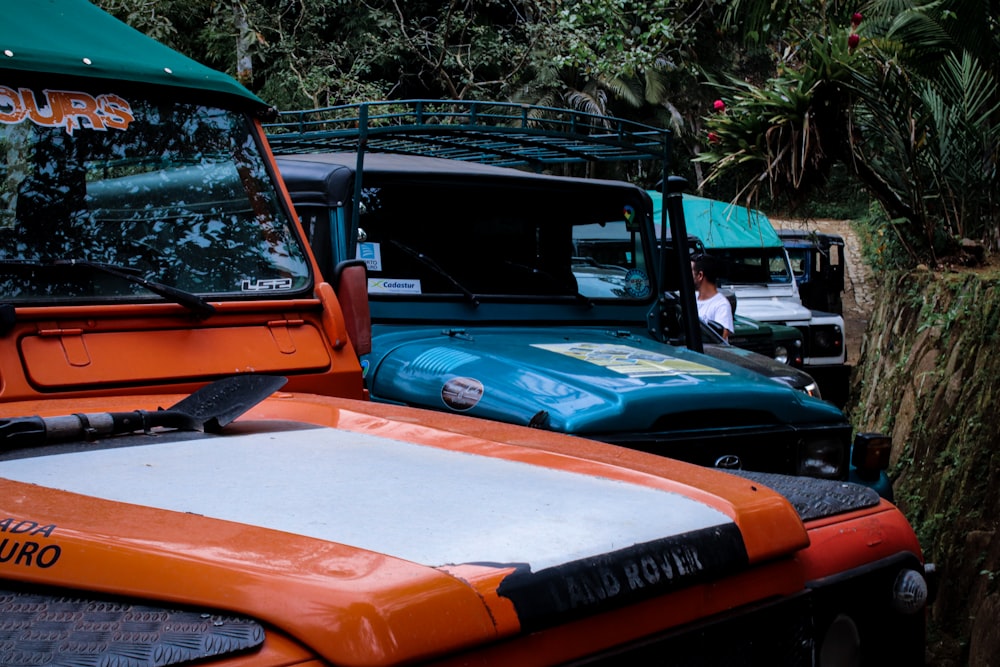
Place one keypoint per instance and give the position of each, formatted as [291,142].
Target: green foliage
[880,241]
[771,22]
[616,39]
[930,148]
[933,381]
[838,199]
[588,54]
[907,100]
[153,19]
[784,135]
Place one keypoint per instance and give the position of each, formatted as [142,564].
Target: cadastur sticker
[69,109]
[393,286]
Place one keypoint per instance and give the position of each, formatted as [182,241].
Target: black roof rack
[498,133]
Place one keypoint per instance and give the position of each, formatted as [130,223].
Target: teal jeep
[495,292]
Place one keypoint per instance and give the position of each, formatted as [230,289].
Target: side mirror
[350,283]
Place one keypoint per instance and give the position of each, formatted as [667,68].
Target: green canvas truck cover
[721,224]
[94,44]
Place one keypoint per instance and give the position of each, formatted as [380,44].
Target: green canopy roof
[76,38]
[722,225]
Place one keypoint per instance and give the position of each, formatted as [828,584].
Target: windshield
[798,258]
[500,242]
[609,262]
[753,266]
[174,193]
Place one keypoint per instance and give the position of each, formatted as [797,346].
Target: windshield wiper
[192,302]
[430,263]
[209,409]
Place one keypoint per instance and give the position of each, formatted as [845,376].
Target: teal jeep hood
[579,381]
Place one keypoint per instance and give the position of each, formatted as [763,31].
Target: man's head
[704,269]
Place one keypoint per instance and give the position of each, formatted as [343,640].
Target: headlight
[781,354]
[909,592]
[813,390]
[827,340]
[824,458]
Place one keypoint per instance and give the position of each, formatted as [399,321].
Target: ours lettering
[70,110]
[26,552]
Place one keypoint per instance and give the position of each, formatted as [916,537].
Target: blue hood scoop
[441,360]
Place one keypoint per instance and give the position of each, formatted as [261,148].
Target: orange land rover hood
[342,530]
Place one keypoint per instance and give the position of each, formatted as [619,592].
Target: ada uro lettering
[27,552]
[10,525]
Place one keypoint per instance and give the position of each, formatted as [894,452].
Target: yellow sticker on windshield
[630,361]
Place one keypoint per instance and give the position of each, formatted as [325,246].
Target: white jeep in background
[758,273]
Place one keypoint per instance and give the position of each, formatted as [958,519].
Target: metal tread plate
[815,498]
[64,631]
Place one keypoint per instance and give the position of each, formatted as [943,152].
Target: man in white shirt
[712,304]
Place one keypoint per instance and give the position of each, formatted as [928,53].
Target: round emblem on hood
[461,393]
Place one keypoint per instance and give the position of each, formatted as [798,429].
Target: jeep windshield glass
[798,258]
[753,266]
[175,193]
[498,242]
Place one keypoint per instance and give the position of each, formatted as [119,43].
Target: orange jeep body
[366,557]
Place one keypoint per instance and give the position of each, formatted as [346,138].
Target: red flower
[856,19]
[713,138]
[852,41]
[719,105]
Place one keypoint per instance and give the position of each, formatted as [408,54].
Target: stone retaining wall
[927,376]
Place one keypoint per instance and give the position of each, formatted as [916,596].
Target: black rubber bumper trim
[592,585]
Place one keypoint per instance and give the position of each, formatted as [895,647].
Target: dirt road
[857,298]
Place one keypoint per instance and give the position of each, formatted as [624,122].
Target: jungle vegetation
[893,103]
